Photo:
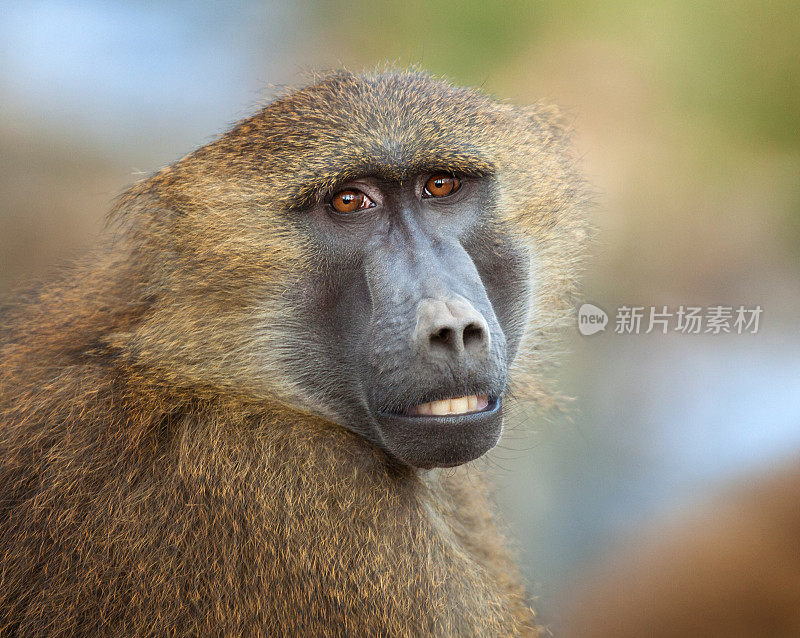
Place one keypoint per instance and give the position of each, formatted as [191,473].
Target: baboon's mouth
[444,432]
[470,404]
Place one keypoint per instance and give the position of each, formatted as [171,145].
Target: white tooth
[472,403]
[440,407]
[483,401]
[459,405]
[424,408]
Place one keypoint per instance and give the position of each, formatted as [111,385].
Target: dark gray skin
[423,299]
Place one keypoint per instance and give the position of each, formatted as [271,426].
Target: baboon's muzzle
[437,353]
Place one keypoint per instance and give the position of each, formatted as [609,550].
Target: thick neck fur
[128,507]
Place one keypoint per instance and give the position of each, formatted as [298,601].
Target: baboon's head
[383,251]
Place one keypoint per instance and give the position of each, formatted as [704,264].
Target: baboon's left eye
[441,185]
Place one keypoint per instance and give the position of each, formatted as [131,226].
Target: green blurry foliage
[466,41]
[739,60]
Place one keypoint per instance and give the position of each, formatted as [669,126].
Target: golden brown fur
[160,471]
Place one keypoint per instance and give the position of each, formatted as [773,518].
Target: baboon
[237,416]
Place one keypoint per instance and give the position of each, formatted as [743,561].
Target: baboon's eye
[441,185]
[350,200]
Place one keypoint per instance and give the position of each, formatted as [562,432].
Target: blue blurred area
[697,413]
[660,424]
[164,75]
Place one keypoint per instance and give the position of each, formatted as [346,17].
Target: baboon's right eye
[350,200]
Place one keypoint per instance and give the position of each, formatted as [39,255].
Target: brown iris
[350,200]
[441,185]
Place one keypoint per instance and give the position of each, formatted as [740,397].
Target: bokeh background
[687,120]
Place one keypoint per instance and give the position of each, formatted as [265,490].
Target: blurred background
[687,120]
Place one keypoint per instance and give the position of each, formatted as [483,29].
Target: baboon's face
[375,250]
[416,313]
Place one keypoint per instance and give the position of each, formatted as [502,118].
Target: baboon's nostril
[473,334]
[442,337]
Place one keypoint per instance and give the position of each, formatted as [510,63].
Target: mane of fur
[145,489]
